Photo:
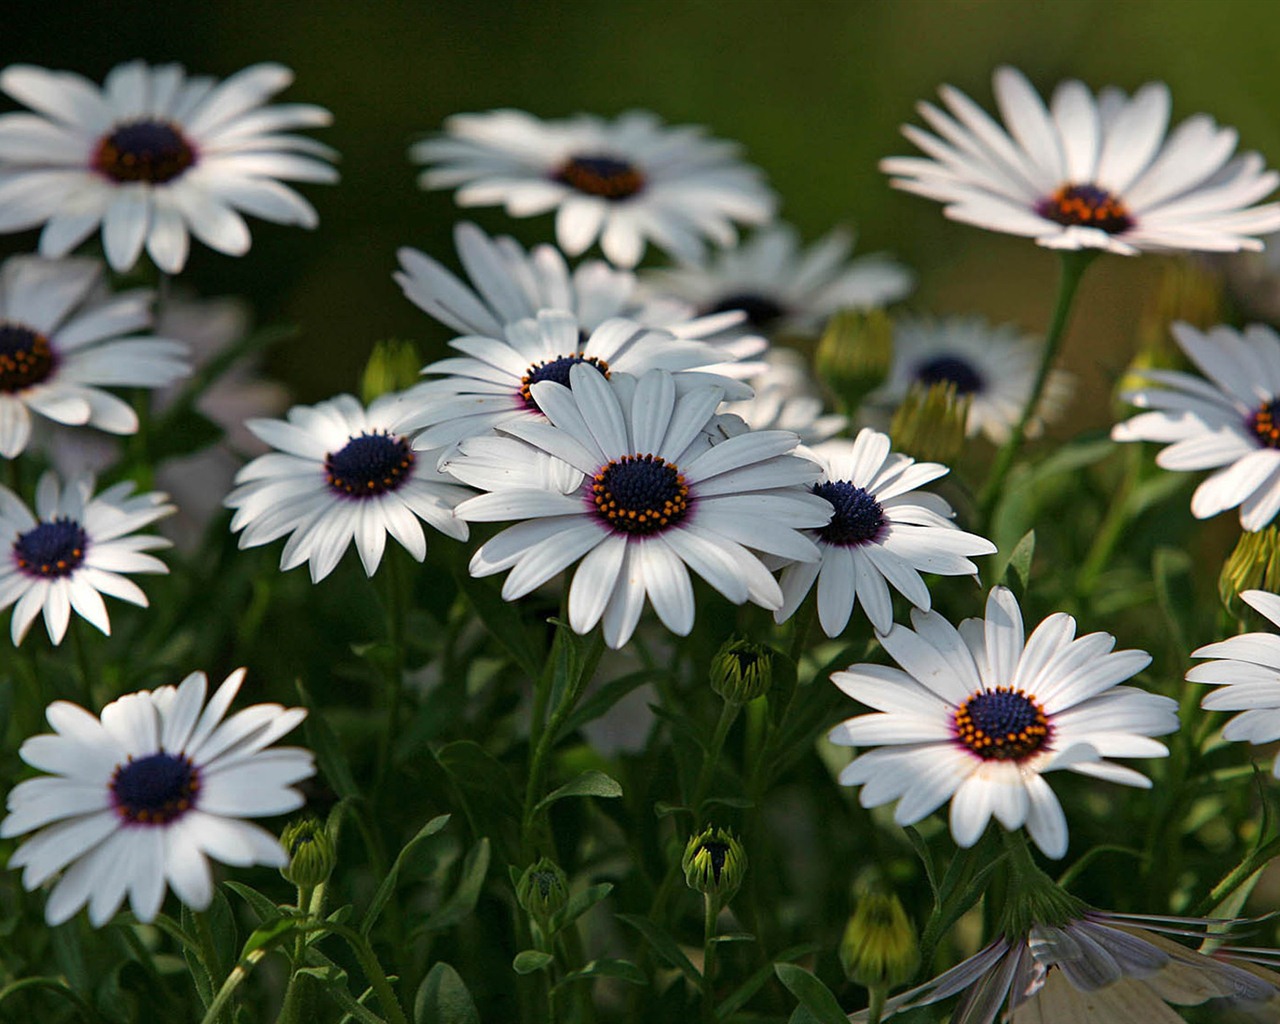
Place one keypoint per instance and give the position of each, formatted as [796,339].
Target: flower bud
[930,423]
[855,353]
[714,863]
[311,853]
[1185,292]
[741,671]
[1253,565]
[879,949]
[393,366]
[542,890]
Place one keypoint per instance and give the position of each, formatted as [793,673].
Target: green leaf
[603,699]
[267,935]
[388,885]
[663,809]
[734,937]
[579,903]
[443,999]
[663,944]
[622,970]
[813,995]
[265,909]
[463,901]
[1020,561]
[926,858]
[484,785]
[589,783]
[321,739]
[527,961]
[504,622]
[743,993]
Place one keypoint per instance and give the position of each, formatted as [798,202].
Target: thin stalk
[1071,271]
[710,911]
[1113,524]
[876,1009]
[394,605]
[728,713]
[296,1008]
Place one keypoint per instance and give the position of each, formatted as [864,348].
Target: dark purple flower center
[150,151]
[1265,424]
[156,789]
[858,517]
[25,357]
[1003,724]
[369,465]
[1086,206]
[556,370]
[51,549]
[640,494]
[599,175]
[762,311]
[950,369]
[718,852]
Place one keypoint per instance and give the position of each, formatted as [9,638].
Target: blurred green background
[815,91]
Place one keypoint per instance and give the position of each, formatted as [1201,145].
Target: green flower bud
[393,366]
[1253,565]
[542,890]
[741,671]
[311,853]
[930,423]
[879,949]
[855,353]
[714,863]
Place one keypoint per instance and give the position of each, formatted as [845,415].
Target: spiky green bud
[741,671]
[879,948]
[714,863]
[311,853]
[855,354]
[930,424]
[542,890]
[393,366]
[1253,565]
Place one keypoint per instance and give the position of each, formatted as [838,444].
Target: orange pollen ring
[640,494]
[1003,724]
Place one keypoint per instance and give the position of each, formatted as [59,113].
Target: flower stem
[395,609]
[728,713]
[710,911]
[1071,271]
[876,1009]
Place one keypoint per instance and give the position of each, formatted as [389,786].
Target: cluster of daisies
[640,427]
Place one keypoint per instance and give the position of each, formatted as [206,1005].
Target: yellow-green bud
[714,863]
[543,889]
[311,853]
[393,366]
[1253,565]
[930,424]
[855,354]
[741,671]
[879,949]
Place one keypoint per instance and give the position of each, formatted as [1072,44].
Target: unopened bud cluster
[741,671]
[543,889]
[311,853]
[855,354]
[931,422]
[879,949]
[714,863]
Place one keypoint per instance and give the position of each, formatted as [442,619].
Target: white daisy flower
[1100,968]
[786,398]
[627,182]
[341,472]
[1246,670]
[152,155]
[994,366]
[1229,423]
[73,550]
[884,531]
[784,289]
[656,492]
[1089,173]
[142,798]
[493,383]
[976,716]
[62,338]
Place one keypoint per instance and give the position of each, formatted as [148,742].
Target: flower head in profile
[75,548]
[1089,172]
[978,715]
[1229,423]
[1095,968]
[1246,671]
[140,799]
[783,288]
[993,366]
[632,478]
[341,472]
[627,182]
[63,338]
[884,530]
[154,156]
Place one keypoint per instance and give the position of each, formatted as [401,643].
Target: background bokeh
[814,91]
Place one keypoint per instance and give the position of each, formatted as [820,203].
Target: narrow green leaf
[443,999]
[734,937]
[267,935]
[1020,559]
[589,783]
[603,699]
[259,904]
[579,903]
[464,898]
[622,970]
[527,961]
[813,995]
[321,739]
[388,885]
[743,993]
[663,944]
[504,622]
[926,858]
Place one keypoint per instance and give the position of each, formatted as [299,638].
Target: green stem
[876,1009]
[372,971]
[395,608]
[1113,524]
[710,911]
[1239,875]
[1071,271]
[728,713]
